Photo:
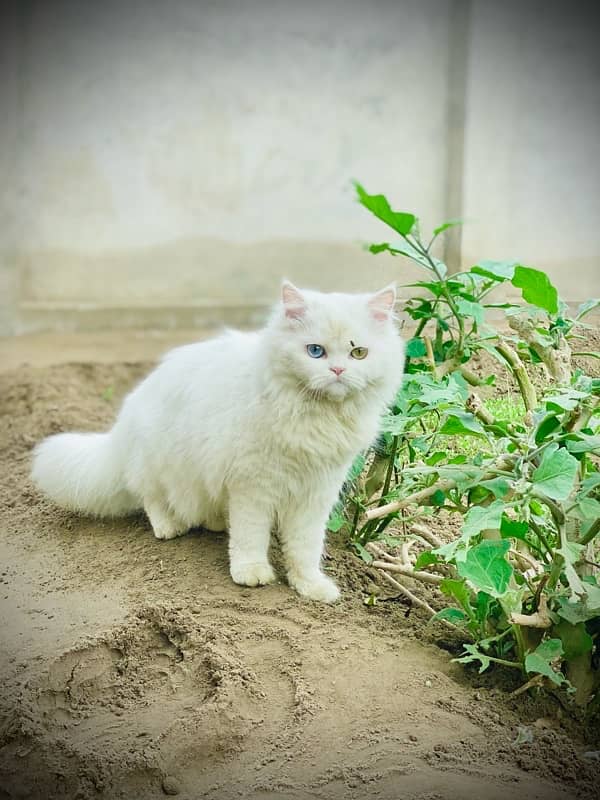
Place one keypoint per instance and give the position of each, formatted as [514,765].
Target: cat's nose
[338,370]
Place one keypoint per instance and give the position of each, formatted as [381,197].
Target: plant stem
[592,531]
[518,370]
[390,469]
[541,536]
[470,376]
[518,633]
[418,245]
[505,663]
[586,353]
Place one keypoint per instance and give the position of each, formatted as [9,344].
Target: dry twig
[407,593]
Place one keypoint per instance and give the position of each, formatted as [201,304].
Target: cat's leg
[249,536]
[302,529]
[165,524]
[214,521]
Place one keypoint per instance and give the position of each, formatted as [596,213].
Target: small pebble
[170,785]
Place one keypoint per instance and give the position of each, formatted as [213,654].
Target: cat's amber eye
[359,352]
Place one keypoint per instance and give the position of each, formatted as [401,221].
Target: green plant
[522,573]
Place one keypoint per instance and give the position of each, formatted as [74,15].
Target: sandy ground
[136,668]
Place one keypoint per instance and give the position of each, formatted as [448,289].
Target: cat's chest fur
[312,434]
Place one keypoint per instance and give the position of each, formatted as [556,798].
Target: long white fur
[244,431]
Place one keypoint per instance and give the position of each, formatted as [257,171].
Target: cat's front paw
[257,574]
[317,587]
[168,532]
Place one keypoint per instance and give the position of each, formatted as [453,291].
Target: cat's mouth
[337,389]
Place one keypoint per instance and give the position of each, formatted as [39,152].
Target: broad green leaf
[571,553]
[481,518]
[438,498]
[592,591]
[499,487]
[378,205]
[556,473]
[482,605]
[477,519]
[495,270]
[486,567]
[436,457]
[566,400]
[462,423]
[469,309]
[435,287]
[546,427]
[512,601]
[425,559]
[536,288]
[512,528]
[584,443]
[587,508]
[394,424]
[415,347]
[576,641]
[541,658]
[436,396]
[453,615]
[464,478]
[590,482]
[575,611]
[459,591]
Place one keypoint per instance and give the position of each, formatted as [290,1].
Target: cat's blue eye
[315,350]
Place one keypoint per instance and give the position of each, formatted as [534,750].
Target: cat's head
[336,345]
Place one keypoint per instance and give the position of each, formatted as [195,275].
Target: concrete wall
[532,140]
[168,163]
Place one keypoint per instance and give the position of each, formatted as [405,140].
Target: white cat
[245,431]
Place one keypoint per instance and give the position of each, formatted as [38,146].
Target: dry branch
[408,594]
[557,360]
[476,407]
[537,680]
[424,532]
[405,550]
[417,498]
[539,619]
[404,569]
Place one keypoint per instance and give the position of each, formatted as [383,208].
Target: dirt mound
[133,667]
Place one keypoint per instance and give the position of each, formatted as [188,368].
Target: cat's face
[335,345]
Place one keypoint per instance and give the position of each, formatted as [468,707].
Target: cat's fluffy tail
[82,472]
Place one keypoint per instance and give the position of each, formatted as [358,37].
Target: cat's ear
[294,302]
[381,304]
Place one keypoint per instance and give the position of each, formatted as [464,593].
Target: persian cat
[246,431]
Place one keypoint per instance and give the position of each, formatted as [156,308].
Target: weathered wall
[169,162]
[532,139]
